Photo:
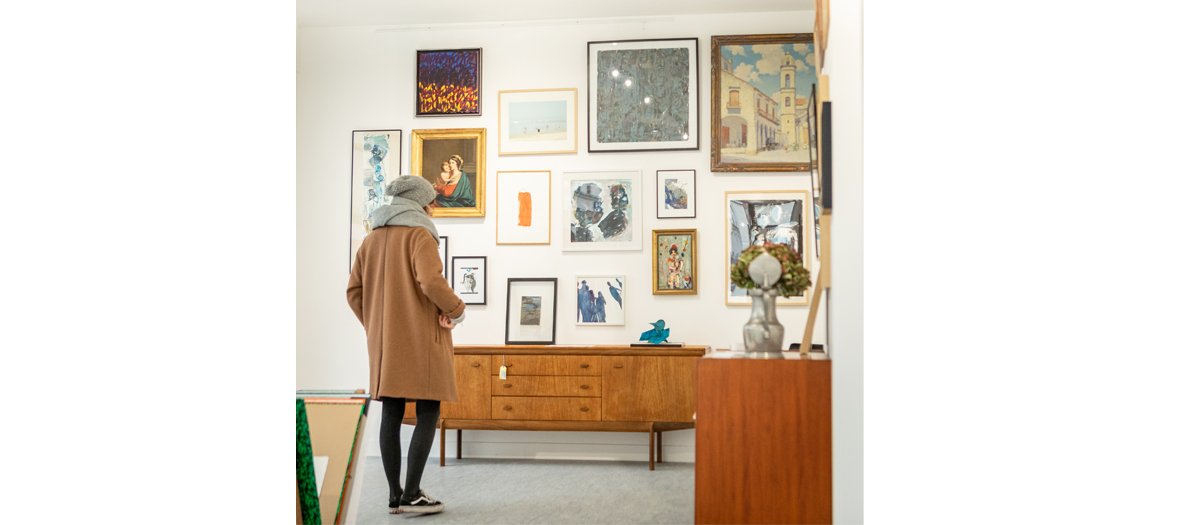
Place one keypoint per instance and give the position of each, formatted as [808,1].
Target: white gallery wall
[362,78]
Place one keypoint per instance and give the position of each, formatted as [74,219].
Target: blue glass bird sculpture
[656,335]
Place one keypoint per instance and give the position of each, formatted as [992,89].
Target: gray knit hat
[413,188]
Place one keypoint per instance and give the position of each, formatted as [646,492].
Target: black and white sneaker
[394,504]
[422,504]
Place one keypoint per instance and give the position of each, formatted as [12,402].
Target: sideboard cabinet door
[657,388]
[474,382]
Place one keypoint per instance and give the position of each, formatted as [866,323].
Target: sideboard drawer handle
[507,408]
[618,366]
[507,385]
[585,409]
[585,387]
[475,365]
[509,365]
[585,365]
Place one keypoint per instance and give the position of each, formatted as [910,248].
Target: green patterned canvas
[309,501]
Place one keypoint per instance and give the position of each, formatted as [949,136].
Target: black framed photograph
[678,200]
[448,83]
[532,311]
[442,253]
[469,278]
[643,95]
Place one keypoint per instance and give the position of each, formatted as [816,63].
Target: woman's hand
[445,322]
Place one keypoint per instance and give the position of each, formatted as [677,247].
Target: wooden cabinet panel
[547,408]
[648,388]
[548,365]
[474,388]
[558,386]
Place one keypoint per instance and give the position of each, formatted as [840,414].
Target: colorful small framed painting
[376,159]
[643,95]
[602,211]
[759,217]
[676,194]
[532,311]
[600,300]
[448,83]
[442,252]
[758,109]
[469,279]
[674,262]
[523,214]
[538,121]
[454,162]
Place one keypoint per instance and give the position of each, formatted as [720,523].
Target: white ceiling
[321,13]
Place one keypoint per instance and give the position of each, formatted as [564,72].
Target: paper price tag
[503,372]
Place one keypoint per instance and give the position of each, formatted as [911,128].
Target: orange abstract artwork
[526,208]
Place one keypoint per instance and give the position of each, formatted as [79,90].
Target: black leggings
[393,409]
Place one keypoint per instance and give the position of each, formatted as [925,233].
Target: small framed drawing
[536,121]
[643,95]
[676,194]
[469,279]
[454,161]
[442,253]
[760,217]
[674,262]
[601,210]
[523,214]
[758,118]
[448,83]
[600,300]
[376,159]
[532,311]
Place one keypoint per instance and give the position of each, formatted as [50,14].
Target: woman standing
[408,309]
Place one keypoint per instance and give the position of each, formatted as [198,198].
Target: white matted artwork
[676,194]
[469,278]
[760,217]
[537,121]
[376,159]
[532,311]
[602,210]
[523,214]
[600,300]
[442,252]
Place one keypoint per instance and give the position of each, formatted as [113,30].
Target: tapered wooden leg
[659,447]
[459,444]
[651,447]
[442,443]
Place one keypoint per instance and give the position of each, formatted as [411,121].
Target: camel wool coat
[397,290]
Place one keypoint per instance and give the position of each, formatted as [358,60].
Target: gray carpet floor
[539,491]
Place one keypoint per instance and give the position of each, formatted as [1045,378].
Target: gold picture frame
[661,253]
[435,148]
[542,127]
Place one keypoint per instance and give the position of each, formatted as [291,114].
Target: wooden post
[442,443]
[651,447]
[659,447]
[459,444]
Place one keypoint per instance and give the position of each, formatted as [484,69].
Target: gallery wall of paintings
[579,160]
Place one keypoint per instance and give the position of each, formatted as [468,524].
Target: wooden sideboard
[607,388]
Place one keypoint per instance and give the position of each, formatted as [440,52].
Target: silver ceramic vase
[763,333]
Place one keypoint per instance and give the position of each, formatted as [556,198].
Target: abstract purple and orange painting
[449,83]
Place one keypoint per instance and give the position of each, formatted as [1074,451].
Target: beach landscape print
[758,218]
[600,300]
[643,95]
[448,83]
[602,211]
[761,91]
[538,121]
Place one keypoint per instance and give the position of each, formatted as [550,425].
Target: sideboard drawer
[547,408]
[548,365]
[560,386]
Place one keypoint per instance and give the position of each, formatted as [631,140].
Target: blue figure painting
[594,305]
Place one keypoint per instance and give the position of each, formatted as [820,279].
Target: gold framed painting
[767,216]
[674,262]
[454,161]
[537,121]
[760,85]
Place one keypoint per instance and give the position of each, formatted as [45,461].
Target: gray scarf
[403,212]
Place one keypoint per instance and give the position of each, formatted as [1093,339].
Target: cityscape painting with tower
[762,93]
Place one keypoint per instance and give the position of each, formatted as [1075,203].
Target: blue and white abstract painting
[600,300]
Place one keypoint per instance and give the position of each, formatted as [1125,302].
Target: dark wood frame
[660,194]
[591,108]
[715,110]
[352,177]
[483,283]
[478,82]
[508,310]
[655,262]
[825,158]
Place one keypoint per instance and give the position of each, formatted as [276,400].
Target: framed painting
[678,200]
[376,159]
[602,211]
[813,154]
[442,253]
[643,95]
[674,262]
[448,83]
[523,213]
[537,121]
[600,300]
[760,217]
[532,311]
[469,276]
[758,108]
[453,161]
